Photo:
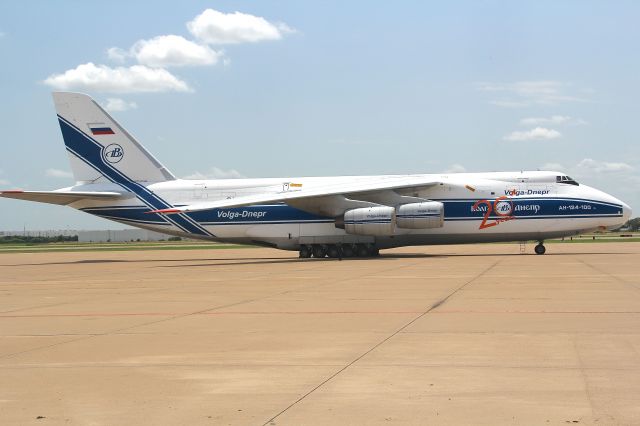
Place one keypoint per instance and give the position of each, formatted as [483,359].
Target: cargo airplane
[118,179]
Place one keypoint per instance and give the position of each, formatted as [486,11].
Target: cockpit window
[566,179]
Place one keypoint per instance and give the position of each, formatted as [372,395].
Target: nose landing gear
[540,248]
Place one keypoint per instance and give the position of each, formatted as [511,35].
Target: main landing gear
[540,249]
[338,251]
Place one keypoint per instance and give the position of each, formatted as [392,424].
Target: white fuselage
[118,179]
[502,206]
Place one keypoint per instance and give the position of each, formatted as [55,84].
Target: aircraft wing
[345,189]
[61,197]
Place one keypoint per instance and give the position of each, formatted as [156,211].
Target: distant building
[121,235]
[97,236]
[41,233]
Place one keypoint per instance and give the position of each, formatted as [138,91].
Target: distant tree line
[17,239]
[632,224]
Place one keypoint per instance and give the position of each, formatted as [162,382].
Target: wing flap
[62,197]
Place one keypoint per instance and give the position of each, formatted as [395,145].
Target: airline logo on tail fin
[96,142]
[113,153]
[100,129]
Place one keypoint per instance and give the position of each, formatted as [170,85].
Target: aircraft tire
[319,251]
[362,250]
[305,252]
[347,250]
[333,251]
[540,249]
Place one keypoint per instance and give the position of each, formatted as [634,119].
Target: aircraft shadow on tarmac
[224,261]
[276,260]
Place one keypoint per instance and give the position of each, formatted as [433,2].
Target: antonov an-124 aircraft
[118,179]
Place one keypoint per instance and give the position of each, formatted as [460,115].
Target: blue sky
[293,88]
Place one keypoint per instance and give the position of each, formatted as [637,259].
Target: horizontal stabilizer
[63,197]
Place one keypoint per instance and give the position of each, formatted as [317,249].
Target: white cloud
[527,93]
[538,133]
[456,168]
[56,173]
[117,104]
[101,78]
[615,177]
[167,51]
[554,119]
[117,55]
[215,27]
[156,54]
[216,173]
[509,104]
[603,166]
[552,167]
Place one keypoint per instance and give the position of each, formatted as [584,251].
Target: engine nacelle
[429,214]
[370,221]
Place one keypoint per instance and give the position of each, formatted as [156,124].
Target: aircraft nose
[626,212]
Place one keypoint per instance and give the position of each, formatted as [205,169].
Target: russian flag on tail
[100,129]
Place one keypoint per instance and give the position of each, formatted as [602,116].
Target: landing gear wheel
[305,252]
[540,249]
[319,251]
[362,250]
[374,251]
[333,251]
[347,250]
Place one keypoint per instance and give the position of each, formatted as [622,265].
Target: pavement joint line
[303,287]
[207,313]
[584,376]
[7,336]
[144,290]
[2,314]
[521,366]
[139,290]
[600,271]
[272,365]
[106,333]
[383,341]
[493,333]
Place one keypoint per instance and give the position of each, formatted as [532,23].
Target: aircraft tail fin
[100,150]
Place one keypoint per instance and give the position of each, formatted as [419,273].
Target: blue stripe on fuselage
[455,210]
[241,215]
[532,208]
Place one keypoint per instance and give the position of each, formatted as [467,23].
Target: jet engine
[383,220]
[429,214]
[370,221]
